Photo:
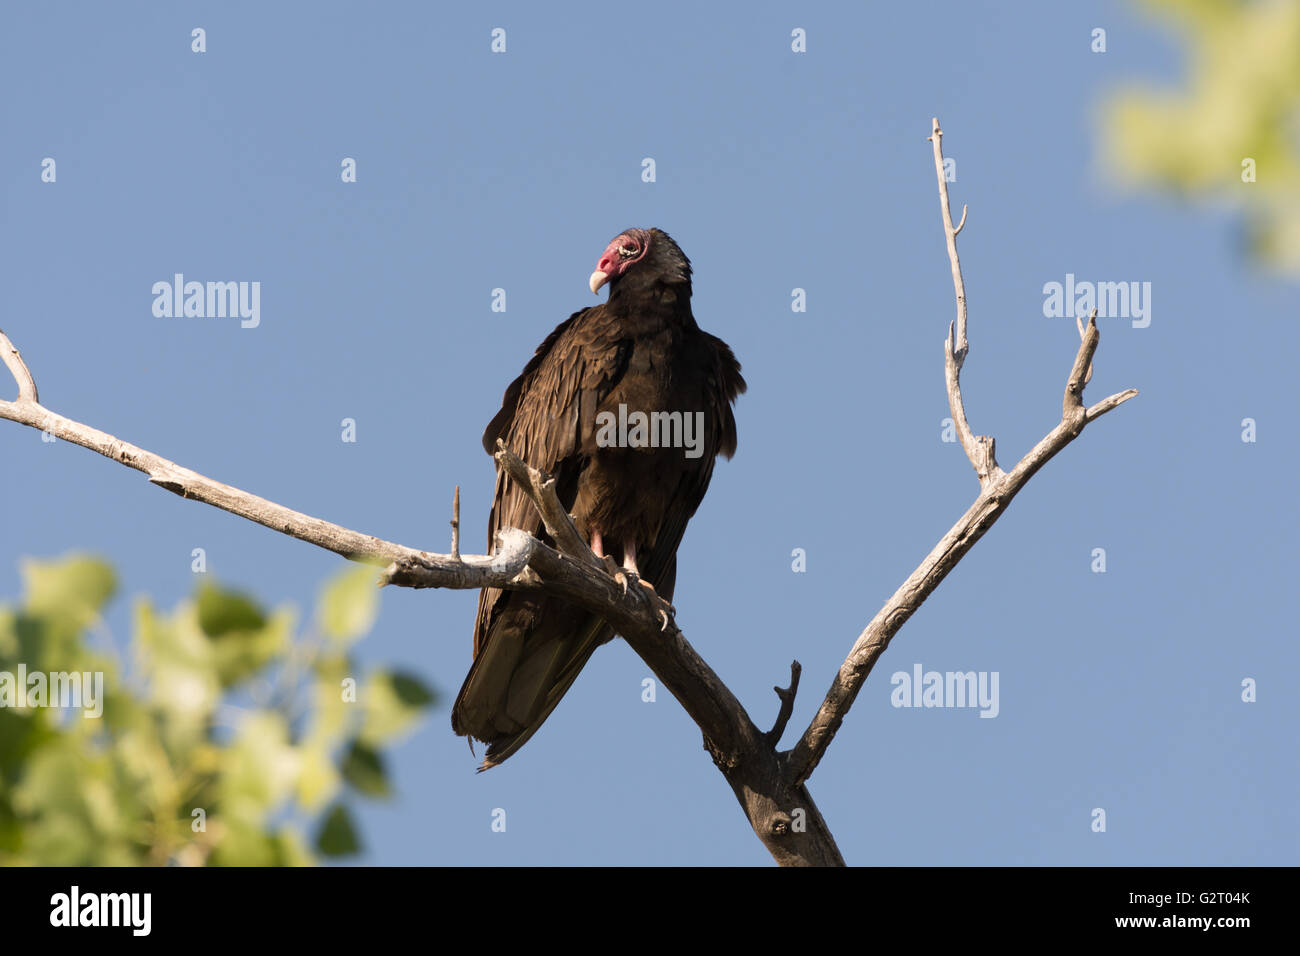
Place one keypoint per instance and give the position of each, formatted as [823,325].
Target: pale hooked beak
[597,280]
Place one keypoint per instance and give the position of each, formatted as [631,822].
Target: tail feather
[559,685]
[531,659]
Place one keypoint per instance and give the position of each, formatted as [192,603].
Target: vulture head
[641,259]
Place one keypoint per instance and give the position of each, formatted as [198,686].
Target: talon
[664,615]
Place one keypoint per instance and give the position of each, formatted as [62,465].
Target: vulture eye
[627,252]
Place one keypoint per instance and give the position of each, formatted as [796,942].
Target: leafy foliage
[1237,118]
[220,741]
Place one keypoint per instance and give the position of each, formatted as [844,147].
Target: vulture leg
[661,607]
[629,556]
[598,549]
[629,564]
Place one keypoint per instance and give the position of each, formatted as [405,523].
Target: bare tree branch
[540,489]
[961,225]
[1083,334]
[787,695]
[184,482]
[520,562]
[769,785]
[782,814]
[455,525]
[26,384]
[997,488]
[979,448]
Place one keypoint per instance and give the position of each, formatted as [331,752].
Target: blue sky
[774,170]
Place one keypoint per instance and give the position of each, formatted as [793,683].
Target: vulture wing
[528,649]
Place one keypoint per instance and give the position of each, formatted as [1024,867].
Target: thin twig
[455,525]
[787,695]
[1078,322]
[980,449]
[22,375]
[950,233]
[540,489]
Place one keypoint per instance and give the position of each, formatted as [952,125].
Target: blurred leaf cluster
[1240,102]
[222,739]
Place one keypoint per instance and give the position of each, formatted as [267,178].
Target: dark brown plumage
[642,350]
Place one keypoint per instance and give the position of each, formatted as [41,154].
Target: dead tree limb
[769,784]
[997,488]
[520,562]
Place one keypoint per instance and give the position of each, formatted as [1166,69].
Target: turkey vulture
[627,405]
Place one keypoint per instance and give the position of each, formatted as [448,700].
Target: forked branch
[997,488]
[770,786]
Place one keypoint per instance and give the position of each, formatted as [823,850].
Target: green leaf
[348,604]
[222,611]
[9,647]
[363,767]
[241,654]
[412,691]
[318,779]
[338,834]
[331,709]
[391,704]
[260,768]
[73,589]
[243,638]
[290,849]
[178,661]
[245,843]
